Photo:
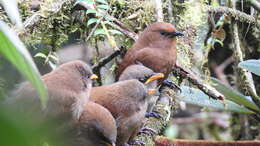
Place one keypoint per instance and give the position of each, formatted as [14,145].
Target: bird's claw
[147,131]
[171,85]
[154,114]
[137,142]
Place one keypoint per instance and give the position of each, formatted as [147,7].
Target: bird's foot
[147,131]
[171,85]
[136,142]
[154,114]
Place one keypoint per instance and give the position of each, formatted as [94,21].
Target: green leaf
[13,49]
[91,11]
[113,31]
[99,32]
[91,21]
[251,65]
[107,22]
[102,1]
[102,7]
[41,55]
[233,95]
[197,97]
[12,11]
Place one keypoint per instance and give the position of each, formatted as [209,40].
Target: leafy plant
[197,97]
[251,65]
[14,50]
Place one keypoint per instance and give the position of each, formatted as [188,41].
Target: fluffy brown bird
[96,127]
[155,49]
[127,100]
[68,88]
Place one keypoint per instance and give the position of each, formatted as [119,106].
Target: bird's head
[159,33]
[143,74]
[78,71]
[97,126]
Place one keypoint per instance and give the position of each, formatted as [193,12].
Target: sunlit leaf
[91,21]
[197,97]
[113,31]
[233,95]
[99,32]
[251,65]
[103,7]
[91,11]
[102,1]
[13,49]
[41,55]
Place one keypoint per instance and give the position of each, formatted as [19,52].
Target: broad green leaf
[102,1]
[91,11]
[102,7]
[197,97]
[91,21]
[11,9]
[113,31]
[233,95]
[13,49]
[107,22]
[99,32]
[41,55]
[251,65]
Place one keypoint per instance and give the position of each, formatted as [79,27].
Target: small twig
[219,70]
[207,89]
[102,62]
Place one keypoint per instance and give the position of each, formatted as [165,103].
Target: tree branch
[207,89]
[237,15]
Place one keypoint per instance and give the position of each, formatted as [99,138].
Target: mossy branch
[236,14]
[163,106]
[245,81]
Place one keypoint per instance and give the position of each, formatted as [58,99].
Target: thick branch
[237,15]
[207,89]
[163,106]
[163,141]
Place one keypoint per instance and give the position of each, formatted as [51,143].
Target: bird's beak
[154,77]
[93,77]
[176,33]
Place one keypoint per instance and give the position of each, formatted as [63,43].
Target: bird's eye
[162,32]
[142,80]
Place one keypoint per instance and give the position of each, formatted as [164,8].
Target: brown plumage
[155,49]
[96,127]
[68,87]
[127,100]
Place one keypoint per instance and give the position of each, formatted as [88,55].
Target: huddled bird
[112,114]
[95,127]
[155,49]
[68,89]
[128,99]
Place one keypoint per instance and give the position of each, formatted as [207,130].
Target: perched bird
[155,49]
[95,127]
[127,100]
[68,88]
[140,72]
